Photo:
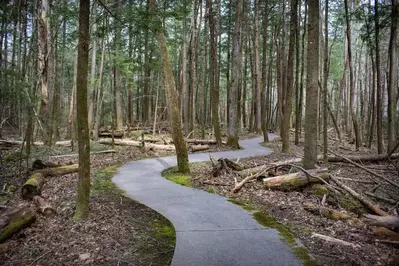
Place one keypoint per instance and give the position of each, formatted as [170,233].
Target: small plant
[212,190]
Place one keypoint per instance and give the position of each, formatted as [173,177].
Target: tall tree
[236,77]
[393,77]
[213,84]
[83,198]
[325,84]
[172,97]
[117,70]
[287,104]
[310,150]
[378,76]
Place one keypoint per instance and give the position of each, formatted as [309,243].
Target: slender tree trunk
[393,77]
[213,75]
[92,91]
[83,198]
[172,99]
[264,96]
[310,150]
[380,146]
[203,79]
[236,77]
[285,134]
[325,86]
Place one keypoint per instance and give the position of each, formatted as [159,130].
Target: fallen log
[33,186]
[385,232]
[296,180]
[20,219]
[10,143]
[390,222]
[335,240]
[126,142]
[326,212]
[203,141]
[107,134]
[57,171]
[363,199]
[76,154]
[39,164]
[43,206]
[200,147]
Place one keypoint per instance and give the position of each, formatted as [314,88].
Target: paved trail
[210,231]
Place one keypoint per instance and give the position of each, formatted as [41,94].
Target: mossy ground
[175,176]
[102,181]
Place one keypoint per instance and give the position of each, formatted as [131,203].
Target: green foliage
[102,181]
[212,190]
[175,176]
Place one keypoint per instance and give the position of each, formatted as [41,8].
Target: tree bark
[393,77]
[310,150]
[287,104]
[172,98]
[236,78]
[83,197]
[213,84]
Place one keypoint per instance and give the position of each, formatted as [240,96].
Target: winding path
[209,229]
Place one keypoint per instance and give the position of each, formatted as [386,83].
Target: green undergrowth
[245,205]
[186,180]
[102,181]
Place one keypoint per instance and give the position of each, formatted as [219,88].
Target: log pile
[13,221]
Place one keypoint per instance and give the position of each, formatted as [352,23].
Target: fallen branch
[326,212]
[356,180]
[367,170]
[364,200]
[390,201]
[239,185]
[335,240]
[390,242]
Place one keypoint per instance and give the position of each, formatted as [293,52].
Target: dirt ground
[287,207]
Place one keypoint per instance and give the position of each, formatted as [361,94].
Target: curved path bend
[209,229]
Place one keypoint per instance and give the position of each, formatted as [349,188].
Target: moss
[11,188]
[245,205]
[32,181]
[285,235]
[102,181]
[303,255]
[15,226]
[212,190]
[165,232]
[268,221]
[319,191]
[175,176]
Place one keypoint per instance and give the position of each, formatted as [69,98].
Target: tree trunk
[92,91]
[213,75]
[287,110]
[325,86]
[172,99]
[83,198]
[33,186]
[393,77]
[380,147]
[310,151]
[236,78]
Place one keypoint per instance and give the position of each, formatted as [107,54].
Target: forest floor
[287,207]
[119,231]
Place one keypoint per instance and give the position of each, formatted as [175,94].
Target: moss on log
[33,186]
[19,220]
